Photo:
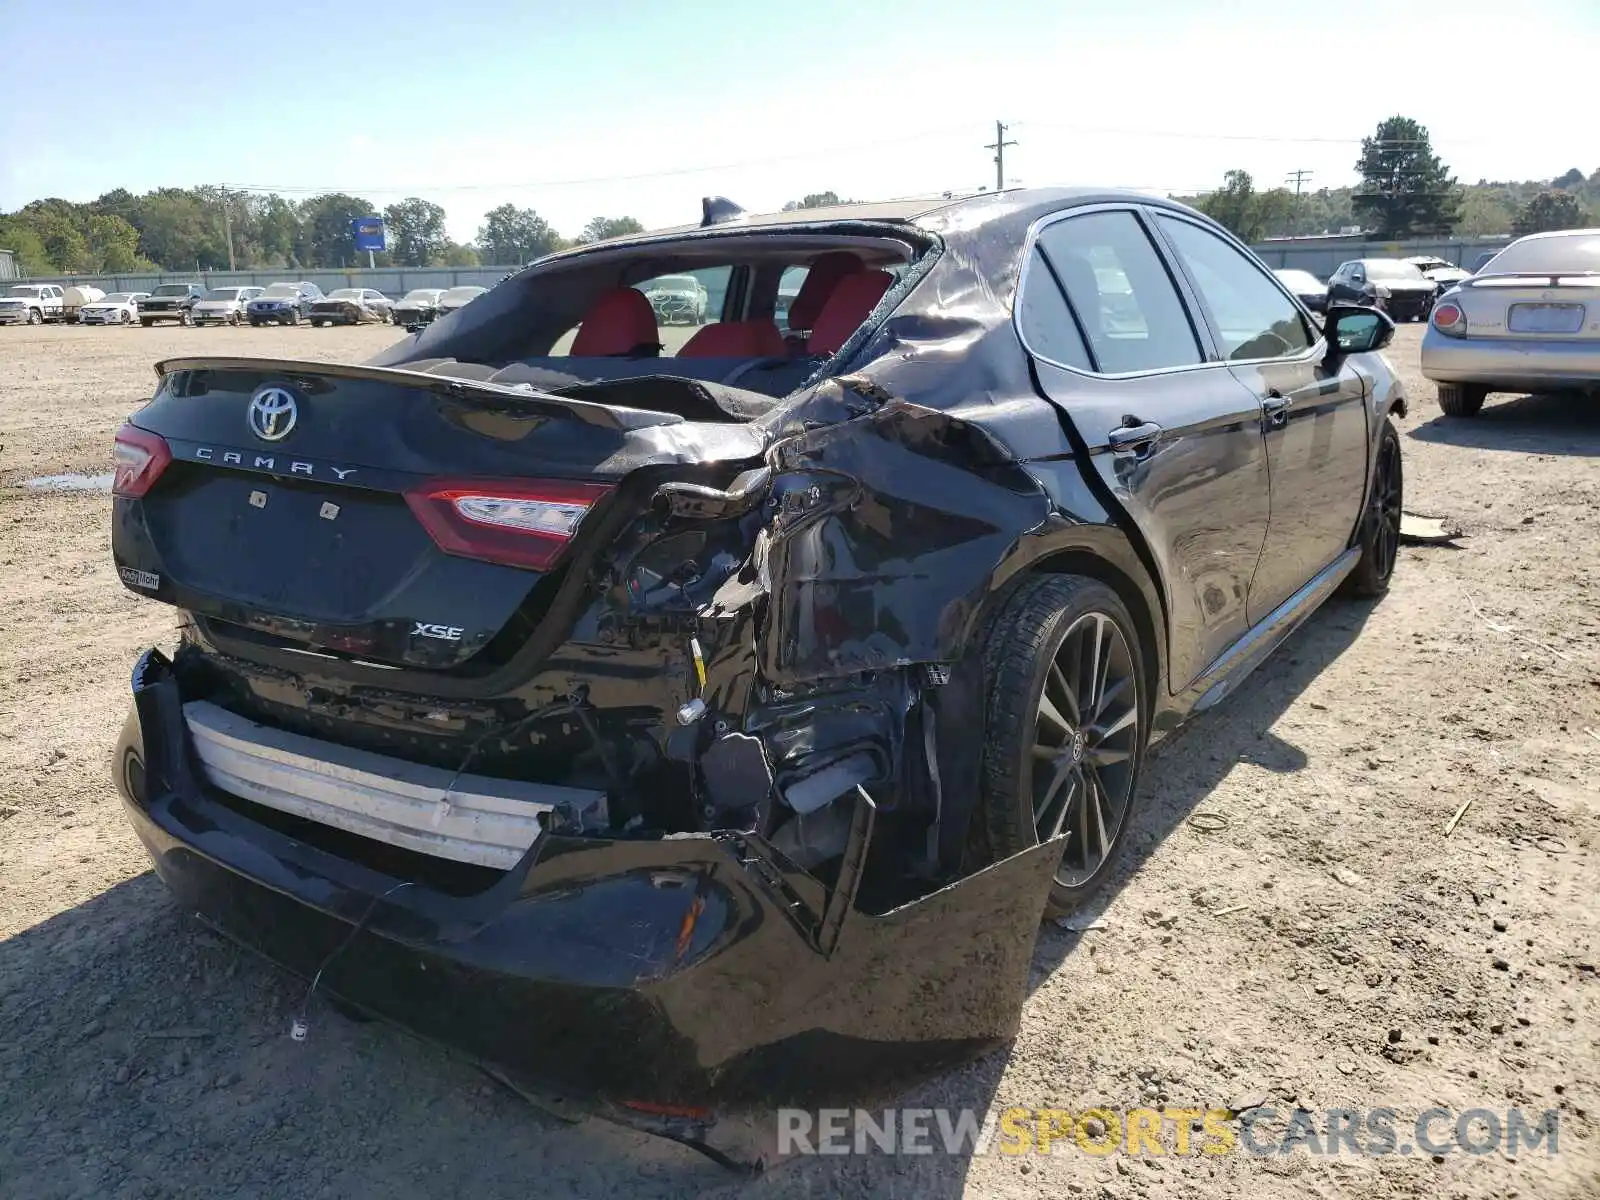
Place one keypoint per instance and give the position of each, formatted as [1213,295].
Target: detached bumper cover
[691,970]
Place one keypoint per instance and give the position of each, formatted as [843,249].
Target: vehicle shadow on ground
[1540,424]
[1180,776]
[145,1056]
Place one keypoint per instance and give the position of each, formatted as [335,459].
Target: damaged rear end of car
[615,731]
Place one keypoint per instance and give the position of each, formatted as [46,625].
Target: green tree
[276,232]
[456,255]
[1485,210]
[18,236]
[601,228]
[180,231]
[1573,178]
[416,232]
[56,224]
[1232,204]
[326,238]
[816,200]
[511,235]
[1549,210]
[1405,190]
[1250,214]
[114,244]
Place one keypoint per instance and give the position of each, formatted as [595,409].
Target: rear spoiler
[524,399]
[1534,278]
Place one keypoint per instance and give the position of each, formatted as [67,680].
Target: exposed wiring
[300,1027]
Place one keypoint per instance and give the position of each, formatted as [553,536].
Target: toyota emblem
[273,413]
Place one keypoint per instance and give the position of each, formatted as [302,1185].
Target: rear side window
[1254,319]
[1048,327]
[1124,299]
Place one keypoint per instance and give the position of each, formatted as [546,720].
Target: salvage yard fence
[1319,255]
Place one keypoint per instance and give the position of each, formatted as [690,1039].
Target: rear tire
[1461,399]
[1380,524]
[1067,729]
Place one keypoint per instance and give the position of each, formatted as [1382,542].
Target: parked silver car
[1528,321]
[223,305]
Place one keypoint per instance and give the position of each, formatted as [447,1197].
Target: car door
[1339,283]
[1171,433]
[1315,410]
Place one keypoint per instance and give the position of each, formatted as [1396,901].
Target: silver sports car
[1528,321]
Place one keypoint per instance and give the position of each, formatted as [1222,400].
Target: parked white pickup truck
[32,304]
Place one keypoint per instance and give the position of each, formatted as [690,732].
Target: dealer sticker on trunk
[148,580]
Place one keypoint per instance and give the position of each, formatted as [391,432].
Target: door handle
[1134,434]
[1276,409]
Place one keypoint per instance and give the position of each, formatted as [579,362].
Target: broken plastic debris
[1425,531]
[298,1030]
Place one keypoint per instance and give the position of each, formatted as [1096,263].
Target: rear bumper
[1510,364]
[695,971]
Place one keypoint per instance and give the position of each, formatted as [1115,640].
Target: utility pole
[1299,177]
[999,147]
[227,224]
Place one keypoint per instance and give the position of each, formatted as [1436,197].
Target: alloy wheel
[1386,503]
[1086,741]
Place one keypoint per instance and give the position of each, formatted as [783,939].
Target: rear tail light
[140,457]
[522,524]
[1448,318]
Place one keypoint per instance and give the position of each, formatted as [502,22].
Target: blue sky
[555,105]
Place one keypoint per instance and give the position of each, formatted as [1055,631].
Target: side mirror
[1354,329]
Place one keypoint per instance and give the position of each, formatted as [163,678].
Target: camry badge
[273,413]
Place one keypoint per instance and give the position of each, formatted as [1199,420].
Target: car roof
[1021,205]
[1554,233]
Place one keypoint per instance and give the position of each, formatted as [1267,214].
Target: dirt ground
[1331,945]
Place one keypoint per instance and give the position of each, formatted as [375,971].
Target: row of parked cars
[196,304]
[1405,288]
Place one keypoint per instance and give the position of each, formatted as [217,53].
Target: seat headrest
[818,286]
[854,297]
[620,322]
[736,339]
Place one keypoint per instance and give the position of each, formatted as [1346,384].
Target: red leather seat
[854,297]
[620,322]
[736,339]
[818,285]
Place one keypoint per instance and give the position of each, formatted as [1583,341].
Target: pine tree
[1406,191]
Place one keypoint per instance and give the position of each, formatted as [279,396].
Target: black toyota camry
[704,717]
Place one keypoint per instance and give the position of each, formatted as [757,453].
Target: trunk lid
[404,518]
[1542,307]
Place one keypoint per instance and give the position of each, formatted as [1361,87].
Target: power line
[1001,128]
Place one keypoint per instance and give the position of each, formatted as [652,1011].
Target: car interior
[570,325]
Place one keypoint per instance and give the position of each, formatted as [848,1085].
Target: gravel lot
[1331,945]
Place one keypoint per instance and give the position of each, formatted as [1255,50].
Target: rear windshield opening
[758,312]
